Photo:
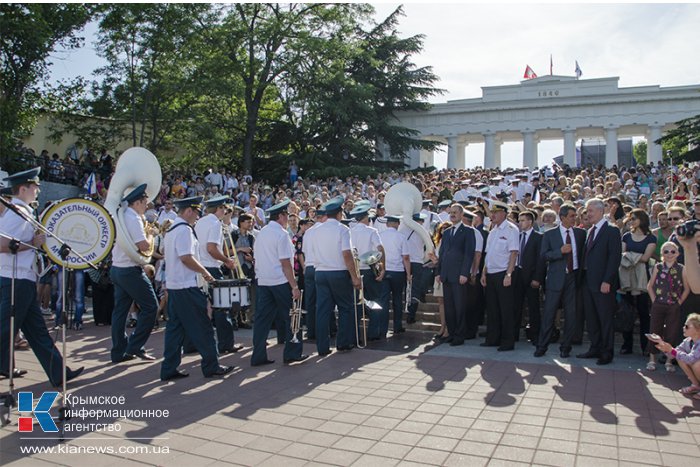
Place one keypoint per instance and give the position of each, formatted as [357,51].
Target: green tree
[151,77]
[30,32]
[640,152]
[683,142]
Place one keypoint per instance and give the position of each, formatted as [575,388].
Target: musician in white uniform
[398,269]
[310,275]
[366,239]
[187,303]
[25,190]
[132,285]
[209,230]
[277,287]
[335,279]
[416,249]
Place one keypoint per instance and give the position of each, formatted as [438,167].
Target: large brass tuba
[135,167]
[405,199]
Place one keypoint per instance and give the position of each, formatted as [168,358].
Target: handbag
[624,318]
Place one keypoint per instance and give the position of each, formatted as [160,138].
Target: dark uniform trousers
[273,303]
[27,318]
[187,318]
[373,292]
[417,288]
[222,320]
[334,288]
[395,291]
[310,301]
[500,315]
[131,284]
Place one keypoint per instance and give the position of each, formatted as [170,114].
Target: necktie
[522,247]
[569,256]
[591,236]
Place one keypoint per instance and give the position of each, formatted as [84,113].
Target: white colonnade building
[551,107]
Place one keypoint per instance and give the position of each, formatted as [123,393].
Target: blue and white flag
[90,184]
[578,70]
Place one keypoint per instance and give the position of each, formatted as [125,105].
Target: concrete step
[429,307]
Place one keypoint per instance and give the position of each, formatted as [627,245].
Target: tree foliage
[640,152]
[30,33]
[683,142]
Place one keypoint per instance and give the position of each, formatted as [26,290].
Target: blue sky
[472,45]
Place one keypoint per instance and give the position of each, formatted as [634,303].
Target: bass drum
[82,224]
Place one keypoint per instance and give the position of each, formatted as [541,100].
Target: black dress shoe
[16,373]
[470,337]
[604,361]
[346,348]
[399,331]
[486,344]
[456,342]
[504,348]
[125,358]
[234,349]
[588,354]
[446,340]
[145,356]
[565,353]
[540,352]
[324,354]
[177,375]
[292,360]
[264,362]
[222,370]
[71,375]
[410,320]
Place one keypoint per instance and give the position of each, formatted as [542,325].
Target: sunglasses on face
[670,252]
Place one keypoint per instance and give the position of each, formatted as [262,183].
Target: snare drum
[229,291]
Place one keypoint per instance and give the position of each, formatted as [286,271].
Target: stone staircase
[427,317]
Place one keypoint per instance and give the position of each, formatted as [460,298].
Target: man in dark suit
[526,266]
[562,253]
[601,261]
[455,260]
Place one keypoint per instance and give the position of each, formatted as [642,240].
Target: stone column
[461,160]
[529,149]
[451,152]
[497,151]
[413,157]
[610,146]
[490,151]
[655,153]
[570,147]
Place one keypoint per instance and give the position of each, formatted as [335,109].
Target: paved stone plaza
[404,404]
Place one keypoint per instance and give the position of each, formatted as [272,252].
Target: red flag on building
[529,73]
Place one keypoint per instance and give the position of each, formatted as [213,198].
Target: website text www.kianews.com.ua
[68,449]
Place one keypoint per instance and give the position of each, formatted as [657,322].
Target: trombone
[359,300]
[232,253]
[295,317]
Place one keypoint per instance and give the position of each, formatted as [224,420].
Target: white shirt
[306,245]
[134,225]
[395,247]
[416,247]
[165,215]
[13,225]
[598,226]
[501,242]
[478,239]
[364,238]
[461,195]
[563,231]
[272,245]
[179,242]
[444,216]
[209,230]
[380,224]
[330,240]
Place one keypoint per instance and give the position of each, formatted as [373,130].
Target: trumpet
[359,300]
[295,317]
[407,298]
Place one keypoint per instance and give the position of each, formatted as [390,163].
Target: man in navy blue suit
[456,256]
[601,261]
